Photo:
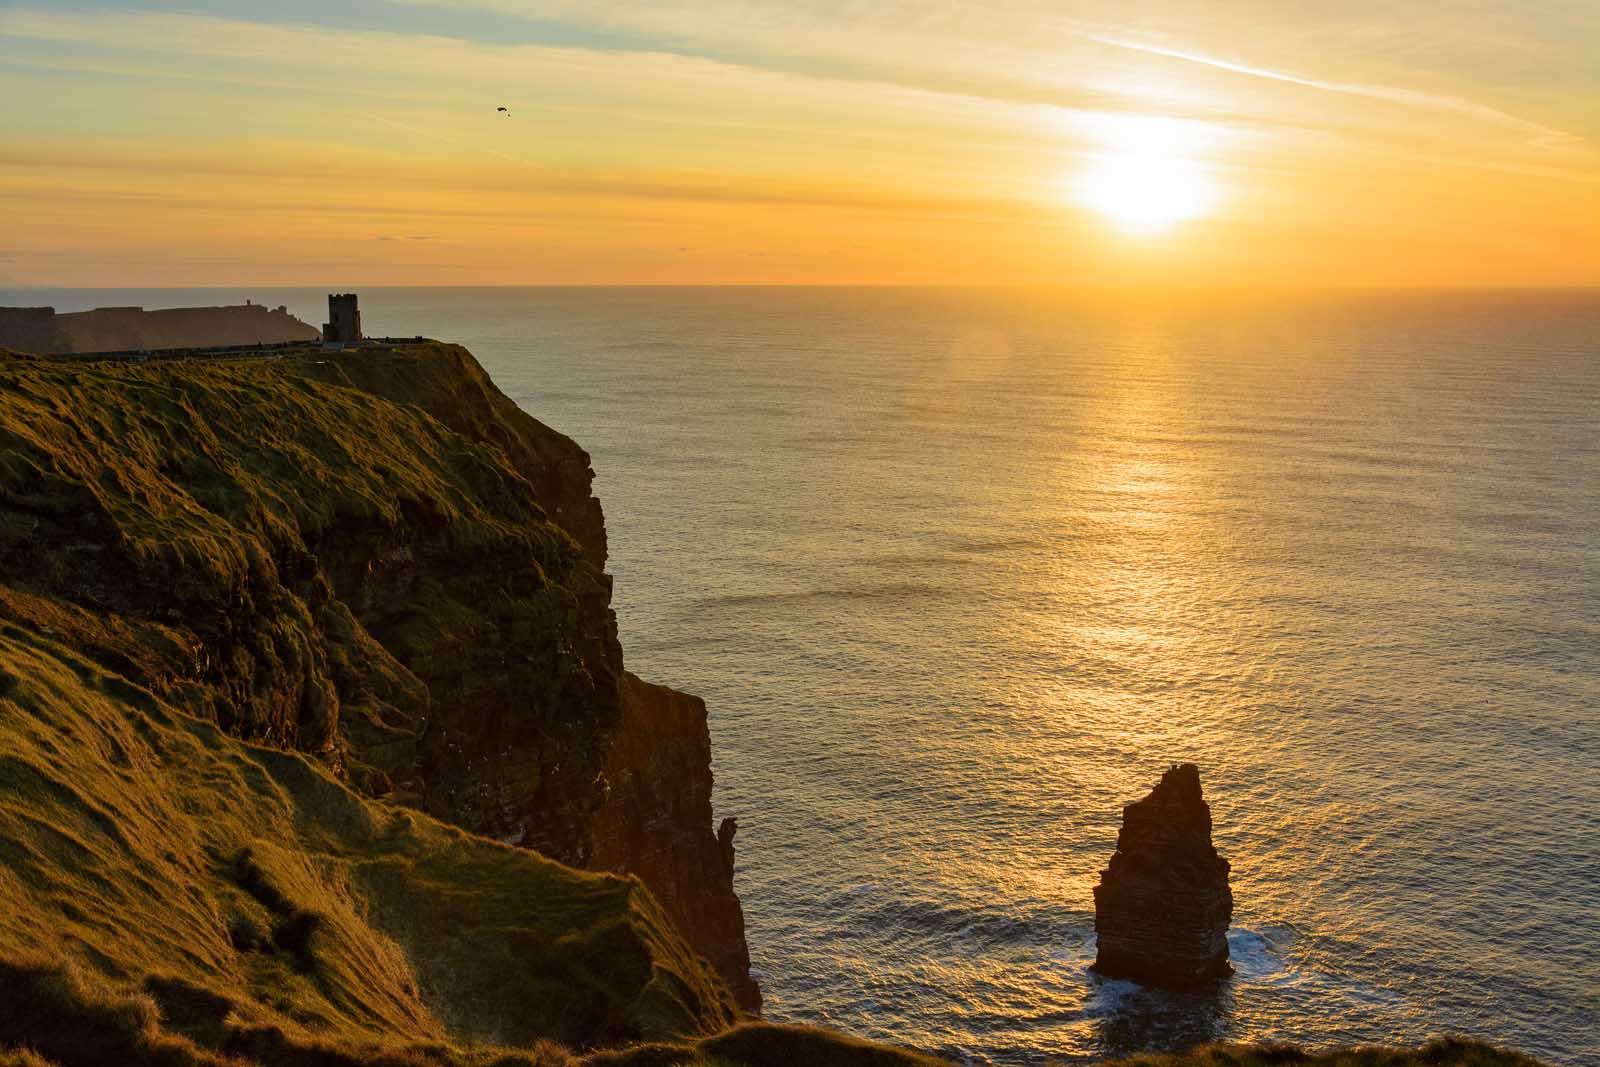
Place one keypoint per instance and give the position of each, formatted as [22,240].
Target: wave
[951,922]
[878,591]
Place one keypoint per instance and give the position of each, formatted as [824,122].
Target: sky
[1252,143]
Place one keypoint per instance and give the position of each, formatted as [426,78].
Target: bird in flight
[505,109]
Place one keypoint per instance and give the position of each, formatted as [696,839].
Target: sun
[1145,182]
[1145,194]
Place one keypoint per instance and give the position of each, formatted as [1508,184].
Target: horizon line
[1081,286]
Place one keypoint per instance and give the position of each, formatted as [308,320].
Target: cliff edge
[375,559]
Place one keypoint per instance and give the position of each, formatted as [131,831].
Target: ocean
[960,572]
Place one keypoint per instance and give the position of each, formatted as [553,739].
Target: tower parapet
[344,319]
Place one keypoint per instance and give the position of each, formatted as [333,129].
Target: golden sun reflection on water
[1135,537]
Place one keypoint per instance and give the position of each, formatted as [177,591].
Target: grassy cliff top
[207,564]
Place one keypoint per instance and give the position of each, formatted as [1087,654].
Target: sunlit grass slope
[212,503]
[159,879]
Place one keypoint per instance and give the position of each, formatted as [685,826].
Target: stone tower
[344,319]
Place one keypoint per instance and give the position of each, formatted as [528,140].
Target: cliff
[172,894]
[117,329]
[32,330]
[660,762]
[375,559]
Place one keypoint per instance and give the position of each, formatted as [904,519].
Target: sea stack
[1162,907]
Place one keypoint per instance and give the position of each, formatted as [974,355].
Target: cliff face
[115,329]
[378,560]
[659,761]
[32,330]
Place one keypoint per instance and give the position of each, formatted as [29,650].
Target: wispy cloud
[1393,94]
[1006,50]
[945,134]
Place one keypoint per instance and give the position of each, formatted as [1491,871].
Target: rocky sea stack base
[1162,907]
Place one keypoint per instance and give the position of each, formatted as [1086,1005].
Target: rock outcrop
[116,329]
[377,559]
[1162,907]
[660,763]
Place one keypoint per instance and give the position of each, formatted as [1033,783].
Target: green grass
[167,890]
[333,555]
[226,494]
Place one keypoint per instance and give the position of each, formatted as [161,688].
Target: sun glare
[1145,182]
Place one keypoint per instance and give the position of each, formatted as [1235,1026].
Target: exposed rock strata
[1162,907]
[660,762]
[377,559]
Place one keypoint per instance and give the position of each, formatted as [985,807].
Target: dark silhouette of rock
[118,329]
[1162,907]
[32,330]
[725,832]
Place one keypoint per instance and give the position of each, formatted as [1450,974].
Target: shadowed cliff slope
[374,558]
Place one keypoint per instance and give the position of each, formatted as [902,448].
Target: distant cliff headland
[121,329]
[317,745]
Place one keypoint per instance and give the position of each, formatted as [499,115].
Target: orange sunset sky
[733,141]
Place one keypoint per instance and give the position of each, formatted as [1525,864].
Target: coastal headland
[317,744]
[43,330]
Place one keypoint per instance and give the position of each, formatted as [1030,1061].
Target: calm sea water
[960,572]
